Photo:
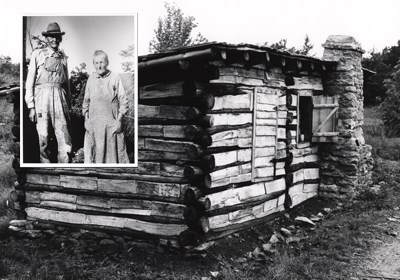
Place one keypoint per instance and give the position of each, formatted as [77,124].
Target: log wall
[215,156]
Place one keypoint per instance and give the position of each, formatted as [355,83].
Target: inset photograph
[79,91]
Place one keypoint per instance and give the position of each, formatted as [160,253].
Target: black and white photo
[79,90]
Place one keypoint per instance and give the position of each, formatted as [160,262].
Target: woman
[104,105]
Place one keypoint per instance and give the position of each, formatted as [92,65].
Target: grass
[374,133]
[329,252]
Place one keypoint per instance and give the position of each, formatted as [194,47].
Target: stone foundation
[346,165]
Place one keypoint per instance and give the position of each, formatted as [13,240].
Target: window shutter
[325,119]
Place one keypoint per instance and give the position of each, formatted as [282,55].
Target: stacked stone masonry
[346,165]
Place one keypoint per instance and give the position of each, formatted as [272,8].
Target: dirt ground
[383,261]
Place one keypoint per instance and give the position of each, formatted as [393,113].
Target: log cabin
[229,136]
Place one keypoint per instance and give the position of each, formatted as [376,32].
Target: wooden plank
[261,172]
[240,138]
[238,80]
[164,209]
[78,182]
[59,205]
[275,186]
[231,119]
[163,112]
[189,148]
[233,102]
[267,107]
[267,98]
[32,197]
[266,115]
[264,161]
[117,186]
[265,130]
[310,188]
[239,216]
[306,158]
[311,173]
[230,171]
[157,229]
[61,197]
[151,130]
[94,201]
[242,72]
[43,179]
[298,176]
[230,157]
[265,141]
[169,89]
[264,152]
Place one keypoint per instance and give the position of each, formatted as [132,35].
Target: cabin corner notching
[228,137]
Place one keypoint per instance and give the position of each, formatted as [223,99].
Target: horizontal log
[226,158]
[220,222]
[238,80]
[165,112]
[230,172]
[298,195]
[177,71]
[164,131]
[231,119]
[192,194]
[133,187]
[307,82]
[310,158]
[164,156]
[67,217]
[169,89]
[254,192]
[87,177]
[241,137]
[226,231]
[204,101]
[242,102]
[191,149]
[242,72]
[17,195]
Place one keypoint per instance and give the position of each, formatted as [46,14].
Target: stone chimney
[347,164]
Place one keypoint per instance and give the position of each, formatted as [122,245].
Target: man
[47,95]
[104,105]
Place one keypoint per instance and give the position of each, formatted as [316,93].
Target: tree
[383,64]
[9,71]
[77,81]
[307,46]
[281,45]
[174,30]
[390,107]
[129,54]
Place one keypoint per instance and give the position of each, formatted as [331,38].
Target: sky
[85,34]
[374,23]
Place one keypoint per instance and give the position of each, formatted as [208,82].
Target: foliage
[174,30]
[9,71]
[129,54]
[77,80]
[382,63]
[390,107]
[281,45]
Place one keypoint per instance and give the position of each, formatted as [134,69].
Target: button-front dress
[104,99]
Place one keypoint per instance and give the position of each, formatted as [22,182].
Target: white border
[135,98]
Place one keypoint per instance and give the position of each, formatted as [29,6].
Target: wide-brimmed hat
[53,29]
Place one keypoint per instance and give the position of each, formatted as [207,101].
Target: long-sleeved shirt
[42,60]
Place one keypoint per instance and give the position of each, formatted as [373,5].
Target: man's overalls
[50,101]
